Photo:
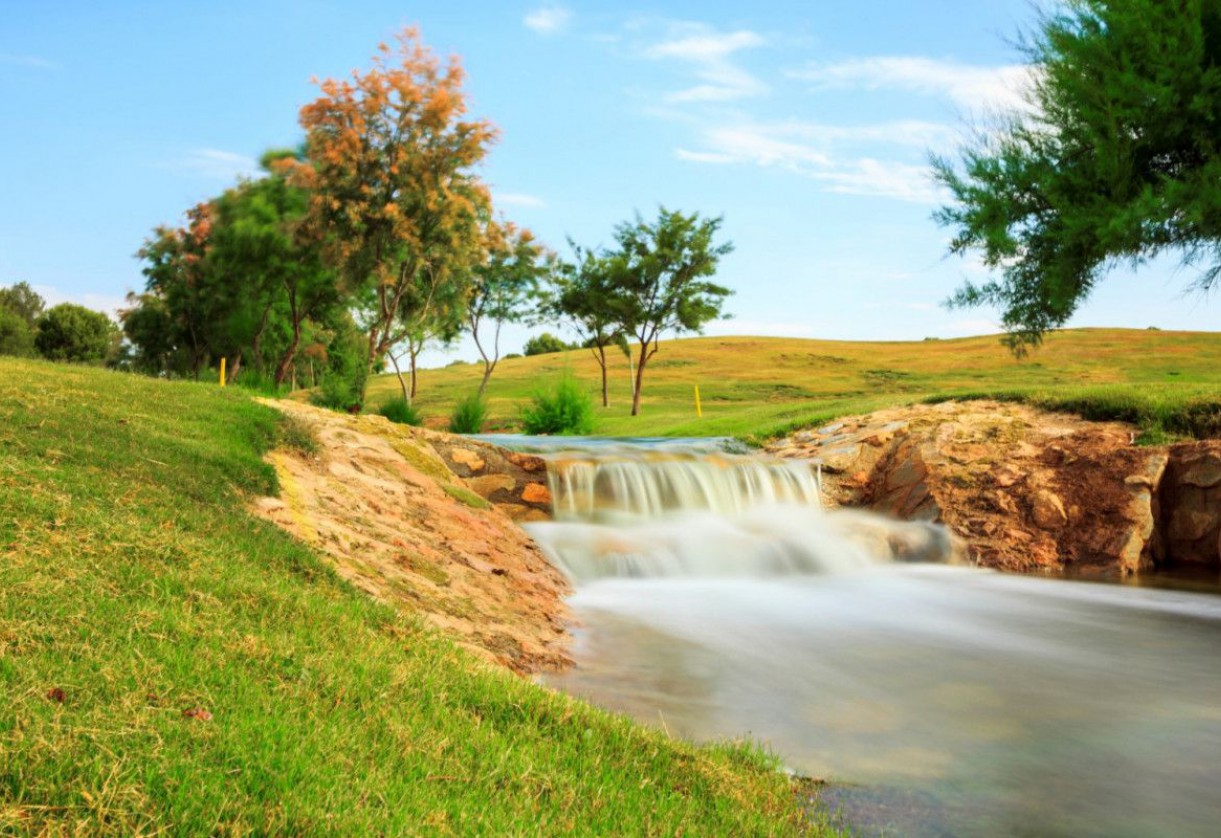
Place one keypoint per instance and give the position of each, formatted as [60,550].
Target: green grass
[757,388]
[135,587]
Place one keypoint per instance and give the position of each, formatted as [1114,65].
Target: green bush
[401,412]
[469,415]
[567,409]
[343,382]
[69,332]
[544,344]
[16,336]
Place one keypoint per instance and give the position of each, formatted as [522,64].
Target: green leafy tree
[659,273]
[1117,160]
[23,301]
[16,336]
[68,332]
[503,289]
[583,295]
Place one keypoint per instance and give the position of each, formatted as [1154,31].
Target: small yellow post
[222,372]
[698,412]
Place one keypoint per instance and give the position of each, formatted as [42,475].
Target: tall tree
[176,271]
[503,290]
[1117,160]
[583,295]
[659,273]
[23,301]
[264,260]
[391,169]
[442,324]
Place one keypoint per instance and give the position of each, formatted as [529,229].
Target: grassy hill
[170,664]
[759,387]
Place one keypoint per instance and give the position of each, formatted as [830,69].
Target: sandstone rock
[839,459]
[1047,510]
[467,458]
[536,493]
[1204,472]
[489,484]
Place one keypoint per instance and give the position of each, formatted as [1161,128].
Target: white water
[951,701]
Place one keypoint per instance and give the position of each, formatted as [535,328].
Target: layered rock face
[1026,490]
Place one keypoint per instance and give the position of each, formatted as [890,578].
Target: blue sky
[807,125]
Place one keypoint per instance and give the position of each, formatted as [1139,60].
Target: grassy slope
[757,387]
[132,580]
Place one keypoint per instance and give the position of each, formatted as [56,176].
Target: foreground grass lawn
[169,664]
[761,387]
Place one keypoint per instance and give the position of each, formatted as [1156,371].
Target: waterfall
[647,513]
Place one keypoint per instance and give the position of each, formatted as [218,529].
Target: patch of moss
[421,460]
[461,493]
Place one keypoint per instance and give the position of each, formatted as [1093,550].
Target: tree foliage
[583,296]
[392,182]
[68,332]
[659,281]
[23,301]
[545,344]
[1118,160]
[504,287]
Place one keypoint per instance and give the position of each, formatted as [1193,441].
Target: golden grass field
[756,387]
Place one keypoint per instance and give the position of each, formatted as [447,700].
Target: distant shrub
[401,412]
[545,344]
[16,336]
[458,363]
[343,382]
[469,415]
[69,332]
[567,409]
[513,355]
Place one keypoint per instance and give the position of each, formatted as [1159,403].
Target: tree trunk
[644,359]
[235,365]
[602,364]
[289,354]
[413,376]
[487,374]
[256,344]
[402,383]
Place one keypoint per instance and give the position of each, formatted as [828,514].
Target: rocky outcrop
[1026,490]
[422,520]
[1191,501]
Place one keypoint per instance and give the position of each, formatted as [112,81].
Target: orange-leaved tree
[391,158]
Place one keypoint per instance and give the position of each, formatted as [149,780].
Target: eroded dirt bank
[1026,490]
[422,518]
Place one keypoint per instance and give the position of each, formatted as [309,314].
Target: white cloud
[105,303]
[214,164]
[969,86]
[547,20]
[709,52]
[518,199]
[27,61]
[808,149]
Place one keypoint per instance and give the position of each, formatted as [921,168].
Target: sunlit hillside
[754,386]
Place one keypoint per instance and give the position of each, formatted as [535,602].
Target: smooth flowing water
[716,599]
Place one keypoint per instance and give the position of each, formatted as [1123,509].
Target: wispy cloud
[27,61]
[969,86]
[518,199]
[709,53]
[547,20]
[809,149]
[214,164]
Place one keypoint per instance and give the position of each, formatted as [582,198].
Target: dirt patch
[383,504]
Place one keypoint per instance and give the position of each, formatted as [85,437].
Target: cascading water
[714,596]
[709,515]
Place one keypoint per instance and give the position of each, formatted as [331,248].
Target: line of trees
[66,332]
[377,237]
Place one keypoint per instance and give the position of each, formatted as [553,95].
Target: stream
[716,599]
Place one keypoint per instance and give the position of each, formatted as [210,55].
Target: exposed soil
[382,503]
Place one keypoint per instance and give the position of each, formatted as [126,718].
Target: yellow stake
[222,372]
[698,412]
